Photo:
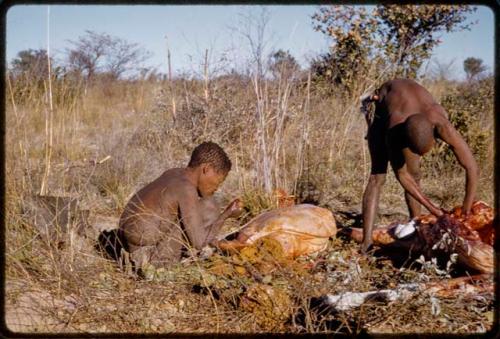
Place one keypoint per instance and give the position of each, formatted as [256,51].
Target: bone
[448,288]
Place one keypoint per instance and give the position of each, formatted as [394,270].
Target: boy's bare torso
[153,214]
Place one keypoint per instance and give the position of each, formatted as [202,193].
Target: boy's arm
[191,215]
[464,156]
[233,210]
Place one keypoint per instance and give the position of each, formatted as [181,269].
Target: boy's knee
[164,258]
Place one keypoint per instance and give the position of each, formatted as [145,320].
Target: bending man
[406,122]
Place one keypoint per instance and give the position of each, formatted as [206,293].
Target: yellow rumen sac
[300,230]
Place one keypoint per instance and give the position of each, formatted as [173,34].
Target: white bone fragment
[404,230]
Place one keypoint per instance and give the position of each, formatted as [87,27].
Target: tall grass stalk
[49,112]
[170,84]
[262,133]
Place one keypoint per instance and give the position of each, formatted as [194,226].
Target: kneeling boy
[177,210]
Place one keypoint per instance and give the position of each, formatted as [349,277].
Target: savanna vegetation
[91,129]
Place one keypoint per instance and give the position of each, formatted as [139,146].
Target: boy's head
[214,165]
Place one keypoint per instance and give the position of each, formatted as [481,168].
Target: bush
[391,40]
[470,108]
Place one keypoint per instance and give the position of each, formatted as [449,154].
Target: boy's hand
[235,208]
[207,251]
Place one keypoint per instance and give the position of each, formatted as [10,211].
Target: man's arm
[464,156]
[410,185]
[399,159]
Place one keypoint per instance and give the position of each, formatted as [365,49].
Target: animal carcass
[300,230]
[470,236]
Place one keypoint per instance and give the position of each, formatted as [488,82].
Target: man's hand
[466,209]
[437,211]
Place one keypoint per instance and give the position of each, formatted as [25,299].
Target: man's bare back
[406,122]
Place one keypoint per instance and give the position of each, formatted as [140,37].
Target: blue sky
[194,28]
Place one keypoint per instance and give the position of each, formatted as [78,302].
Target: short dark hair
[419,133]
[210,153]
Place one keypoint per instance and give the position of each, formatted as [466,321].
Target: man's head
[420,133]
[213,165]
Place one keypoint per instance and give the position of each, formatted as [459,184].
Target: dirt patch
[36,310]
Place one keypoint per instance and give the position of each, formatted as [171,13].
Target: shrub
[470,108]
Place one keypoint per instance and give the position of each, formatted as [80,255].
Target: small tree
[87,52]
[395,39]
[29,75]
[102,53]
[32,64]
[409,33]
[122,56]
[441,71]
[253,27]
[352,31]
[473,67]
[282,64]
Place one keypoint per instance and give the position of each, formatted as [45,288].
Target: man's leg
[371,199]
[371,196]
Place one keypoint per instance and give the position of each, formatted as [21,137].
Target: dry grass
[312,145]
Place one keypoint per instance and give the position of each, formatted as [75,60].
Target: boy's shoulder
[176,178]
